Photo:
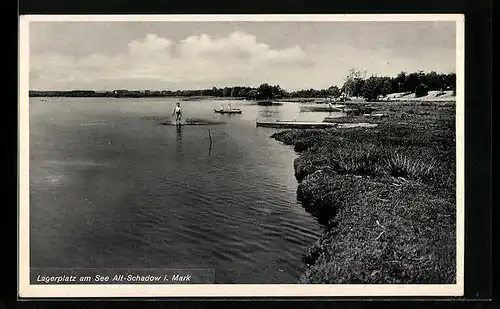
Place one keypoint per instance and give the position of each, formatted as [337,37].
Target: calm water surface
[111,187]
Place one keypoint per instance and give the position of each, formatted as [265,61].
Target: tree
[412,82]
[354,82]
[385,86]
[267,91]
[277,91]
[334,91]
[450,80]
[252,94]
[421,90]
[371,89]
[432,81]
[400,82]
[374,87]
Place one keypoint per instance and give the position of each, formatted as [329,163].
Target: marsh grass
[385,195]
[400,165]
[365,160]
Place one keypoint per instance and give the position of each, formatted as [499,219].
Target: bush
[421,90]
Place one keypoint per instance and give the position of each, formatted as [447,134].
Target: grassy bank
[386,196]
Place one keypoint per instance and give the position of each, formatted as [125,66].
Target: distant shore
[389,98]
[386,196]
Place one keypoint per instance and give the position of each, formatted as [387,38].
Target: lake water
[111,187]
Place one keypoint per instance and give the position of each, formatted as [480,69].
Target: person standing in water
[178,113]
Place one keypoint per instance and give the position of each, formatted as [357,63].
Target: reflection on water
[210,142]
[270,112]
[178,131]
[178,138]
[151,198]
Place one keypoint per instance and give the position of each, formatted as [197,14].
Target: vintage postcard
[241,155]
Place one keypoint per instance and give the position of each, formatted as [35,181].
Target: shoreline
[385,195]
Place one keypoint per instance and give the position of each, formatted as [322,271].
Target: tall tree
[354,82]
[265,91]
[334,91]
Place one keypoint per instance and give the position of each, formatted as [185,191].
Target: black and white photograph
[241,155]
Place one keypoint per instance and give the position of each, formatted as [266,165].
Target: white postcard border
[27,290]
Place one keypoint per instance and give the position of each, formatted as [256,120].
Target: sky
[151,55]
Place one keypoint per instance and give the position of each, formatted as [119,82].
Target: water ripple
[132,193]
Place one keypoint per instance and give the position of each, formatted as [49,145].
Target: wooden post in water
[210,139]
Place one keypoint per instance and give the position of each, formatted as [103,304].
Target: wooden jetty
[231,111]
[295,124]
[192,122]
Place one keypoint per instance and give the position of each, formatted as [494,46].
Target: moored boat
[295,124]
[268,102]
[321,108]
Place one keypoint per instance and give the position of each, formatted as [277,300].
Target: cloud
[197,60]
[203,61]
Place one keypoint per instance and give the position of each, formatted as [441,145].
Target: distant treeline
[356,85]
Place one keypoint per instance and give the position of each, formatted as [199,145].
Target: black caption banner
[121,276]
